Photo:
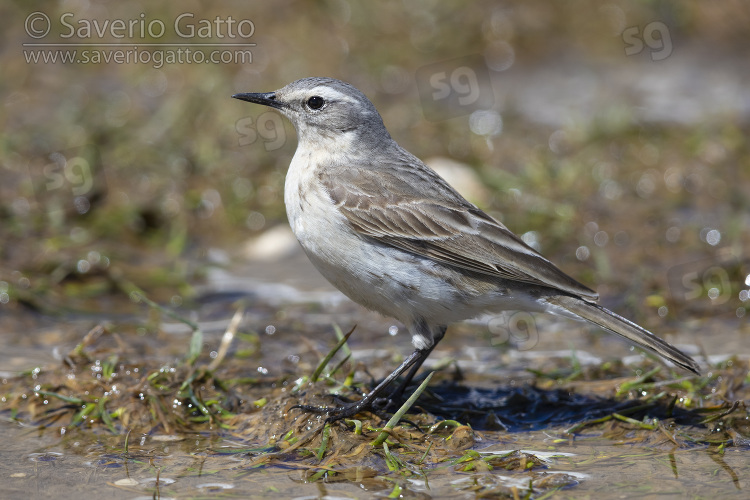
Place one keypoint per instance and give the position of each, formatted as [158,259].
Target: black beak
[266,99]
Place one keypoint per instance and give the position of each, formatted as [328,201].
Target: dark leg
[399,392]
[350,409]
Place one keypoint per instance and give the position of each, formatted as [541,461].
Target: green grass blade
[401,411]
[316,374]
[323,442]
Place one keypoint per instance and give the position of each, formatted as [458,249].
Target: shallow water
[38,464]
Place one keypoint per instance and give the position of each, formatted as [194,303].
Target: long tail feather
[625,328]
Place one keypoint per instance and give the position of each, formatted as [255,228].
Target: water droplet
[500,56]
[531,238]
[673,179]
[83,266]
[646,185]
[583,253]
[610,189]
[558,142]
[255,221]
[601,238]
[713,237]
[673,234]
[486,123]
[82,204]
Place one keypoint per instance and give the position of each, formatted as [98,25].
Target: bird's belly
[386,279]
[397,283]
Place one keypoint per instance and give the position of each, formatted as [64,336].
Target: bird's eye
[315,102]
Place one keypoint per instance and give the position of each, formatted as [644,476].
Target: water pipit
[392,235]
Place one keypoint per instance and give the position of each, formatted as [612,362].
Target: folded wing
[408,206]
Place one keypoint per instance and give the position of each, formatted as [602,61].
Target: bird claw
[348,410]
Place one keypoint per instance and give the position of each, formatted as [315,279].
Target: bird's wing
[409,206]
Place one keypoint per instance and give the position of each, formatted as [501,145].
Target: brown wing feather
[396,204]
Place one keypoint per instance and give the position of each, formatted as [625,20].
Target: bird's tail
[625,328]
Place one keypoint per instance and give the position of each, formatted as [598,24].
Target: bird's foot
[347,409]
[371,402]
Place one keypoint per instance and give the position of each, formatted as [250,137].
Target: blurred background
[611,135]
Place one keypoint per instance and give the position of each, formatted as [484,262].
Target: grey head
[326,109]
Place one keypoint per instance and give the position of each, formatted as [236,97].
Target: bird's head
[325,111]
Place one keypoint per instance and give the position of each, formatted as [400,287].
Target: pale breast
[308,207]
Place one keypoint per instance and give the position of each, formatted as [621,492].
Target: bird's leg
[398,393]
[349,410]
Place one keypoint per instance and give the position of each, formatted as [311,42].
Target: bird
[395,237]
